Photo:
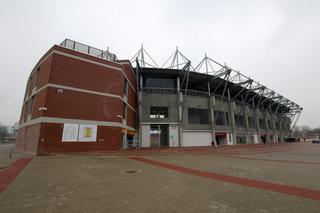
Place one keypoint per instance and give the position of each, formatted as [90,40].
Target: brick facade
[72,87]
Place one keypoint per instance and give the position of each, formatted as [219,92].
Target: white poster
[70,132]
[87,133]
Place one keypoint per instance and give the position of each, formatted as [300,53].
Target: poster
[70,132]
[87,133]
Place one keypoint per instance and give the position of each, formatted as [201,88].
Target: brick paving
[100,182]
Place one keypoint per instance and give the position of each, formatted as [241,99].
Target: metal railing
[166,91]
[83,48]
[155,90]
[195,93]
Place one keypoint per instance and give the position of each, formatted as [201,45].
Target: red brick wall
[72,72]
[75,73]
[28,138]
[108,138]
[78,105]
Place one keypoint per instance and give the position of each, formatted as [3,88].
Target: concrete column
[179,99]
[266,117]
[140,110]
[232,122]
[281,128]
[274,128]
[256,120]
[212,103]
[246,122]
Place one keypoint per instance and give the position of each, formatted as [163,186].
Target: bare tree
[3,133]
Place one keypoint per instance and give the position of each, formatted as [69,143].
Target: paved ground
[8,155]
[163,181]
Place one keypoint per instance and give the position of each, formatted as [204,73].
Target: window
[124,113]
[269,124]
[227,119]
[219,117]
[160,82]
[262,124]
[125,87]
[198,116]
[158,112]
[239,120]
[30,105]
[35,77]
[251,122]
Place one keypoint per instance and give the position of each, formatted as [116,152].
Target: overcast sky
[275,42]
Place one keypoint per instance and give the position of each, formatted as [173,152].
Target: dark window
[239,120]
[124,113]
[30,107]
[262,124]
[159,112]
[160,82]
[277,126]
[227,119]
[269,124]
[251,122]
[219,117]
[126,87]
[35,77]
[198,116]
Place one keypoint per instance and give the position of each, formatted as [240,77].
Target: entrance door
[159,135]
[164,135]
[221,139]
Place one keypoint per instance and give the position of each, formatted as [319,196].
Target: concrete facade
[257,126]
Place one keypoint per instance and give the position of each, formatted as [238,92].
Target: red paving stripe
[8,175]
[285,189]
[281,161]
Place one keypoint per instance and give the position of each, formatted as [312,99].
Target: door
[155,134]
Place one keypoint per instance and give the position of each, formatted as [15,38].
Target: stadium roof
[224,81]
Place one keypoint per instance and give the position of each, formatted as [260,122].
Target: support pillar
[274,128]
[266,116]
[212,103]
[232,122]
[281,128]
[246,122]
[256,121]
[140,110]
[180,100]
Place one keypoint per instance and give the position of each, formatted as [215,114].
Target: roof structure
[224,82]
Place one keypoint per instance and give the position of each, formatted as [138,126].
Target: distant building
[79,98]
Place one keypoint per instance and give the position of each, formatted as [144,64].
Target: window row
[202,116]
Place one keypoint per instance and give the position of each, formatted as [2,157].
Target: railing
[83,48]
[154,90]
[195,93]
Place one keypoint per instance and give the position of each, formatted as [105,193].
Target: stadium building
[79,98]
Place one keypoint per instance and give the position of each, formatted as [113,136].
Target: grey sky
[275,42]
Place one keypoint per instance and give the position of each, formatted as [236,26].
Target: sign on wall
[87,133]
[70,132]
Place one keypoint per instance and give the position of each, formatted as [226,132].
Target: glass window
[126,87]
[239,120]
[262,124]
[219,117]
[124,113]
[198,116]
[160,82]
[159,112]
[31,103]
[251,122]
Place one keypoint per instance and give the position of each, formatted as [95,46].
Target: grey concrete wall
[171,101]
[160,100]
[198,103]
